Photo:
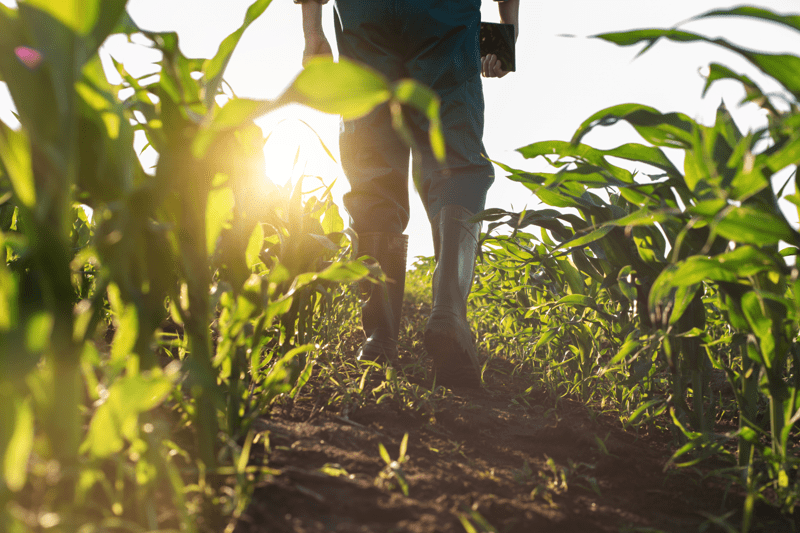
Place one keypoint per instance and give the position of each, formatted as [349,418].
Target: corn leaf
[219,213]
[784,68]
[752,226]
[344,88]
[15,161]
[672,130]
[19,446]
[425,100]
[78,15]
[790,21]
[214,68]
[761,325]
[116,420]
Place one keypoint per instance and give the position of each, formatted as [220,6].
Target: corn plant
[197,286]
[392,475]
[670,249]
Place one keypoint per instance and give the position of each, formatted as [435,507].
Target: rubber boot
[382,305]
[448,339]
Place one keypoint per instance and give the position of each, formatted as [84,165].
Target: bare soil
[484,459]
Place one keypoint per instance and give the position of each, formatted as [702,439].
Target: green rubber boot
[448,339]
[383,305]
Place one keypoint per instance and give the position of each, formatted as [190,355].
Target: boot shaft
[382,304]
[456,247]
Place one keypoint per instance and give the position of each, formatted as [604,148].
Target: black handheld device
[498,39]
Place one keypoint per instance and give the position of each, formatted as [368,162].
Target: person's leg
[374,158]
[464,178]
[455,190]
[375,161]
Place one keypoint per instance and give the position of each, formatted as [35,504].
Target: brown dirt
[469,460]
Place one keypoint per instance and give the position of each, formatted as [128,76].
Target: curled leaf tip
[30,58]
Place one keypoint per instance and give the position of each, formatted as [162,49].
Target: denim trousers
[434,42]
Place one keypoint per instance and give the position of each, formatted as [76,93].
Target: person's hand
[316,45]
[490,67]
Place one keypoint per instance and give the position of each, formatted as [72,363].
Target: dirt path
[480,458]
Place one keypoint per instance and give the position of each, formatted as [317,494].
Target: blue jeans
[436,43]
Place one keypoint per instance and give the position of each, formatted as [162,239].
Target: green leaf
[424,99]
[758,320]
[32,90]
[749,434]
[403,446]
[331,221]
[641,409]
[234,114]
[708,208]
[718,72]
[303,379]
[111,18]
[650,244]
[752,226]
[466,524]
[747,183]
[642,217]
[219,213]
[344,272]
[104,436]
[126,322]
[37,332]
[78,15]
[791,21]
[631,346]
[344,88]
[384,454]
[552,198]
[629,38]
[626,283]
[573,277]
[577,300]
[254,246]
[631,151]
[683,299]
[590,237]
[214,68]
[673,130]
[126,25]
[15,459]
[748,261]
[761,325]
[15,158]
[744,261]
[784,68]
[650,155]
[548,335]
[244,457]
[117,419]
[789,154]
[697,269]
[9,300]
[126,325]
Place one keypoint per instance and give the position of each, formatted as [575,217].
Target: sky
[562,77]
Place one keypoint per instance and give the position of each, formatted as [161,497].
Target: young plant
[686,265]
[392,476]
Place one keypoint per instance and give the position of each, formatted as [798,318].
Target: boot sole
[454,366]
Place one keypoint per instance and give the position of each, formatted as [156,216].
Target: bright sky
[560,81]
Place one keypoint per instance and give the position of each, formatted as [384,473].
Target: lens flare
[30,58]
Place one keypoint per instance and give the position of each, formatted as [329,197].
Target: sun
[300,142]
